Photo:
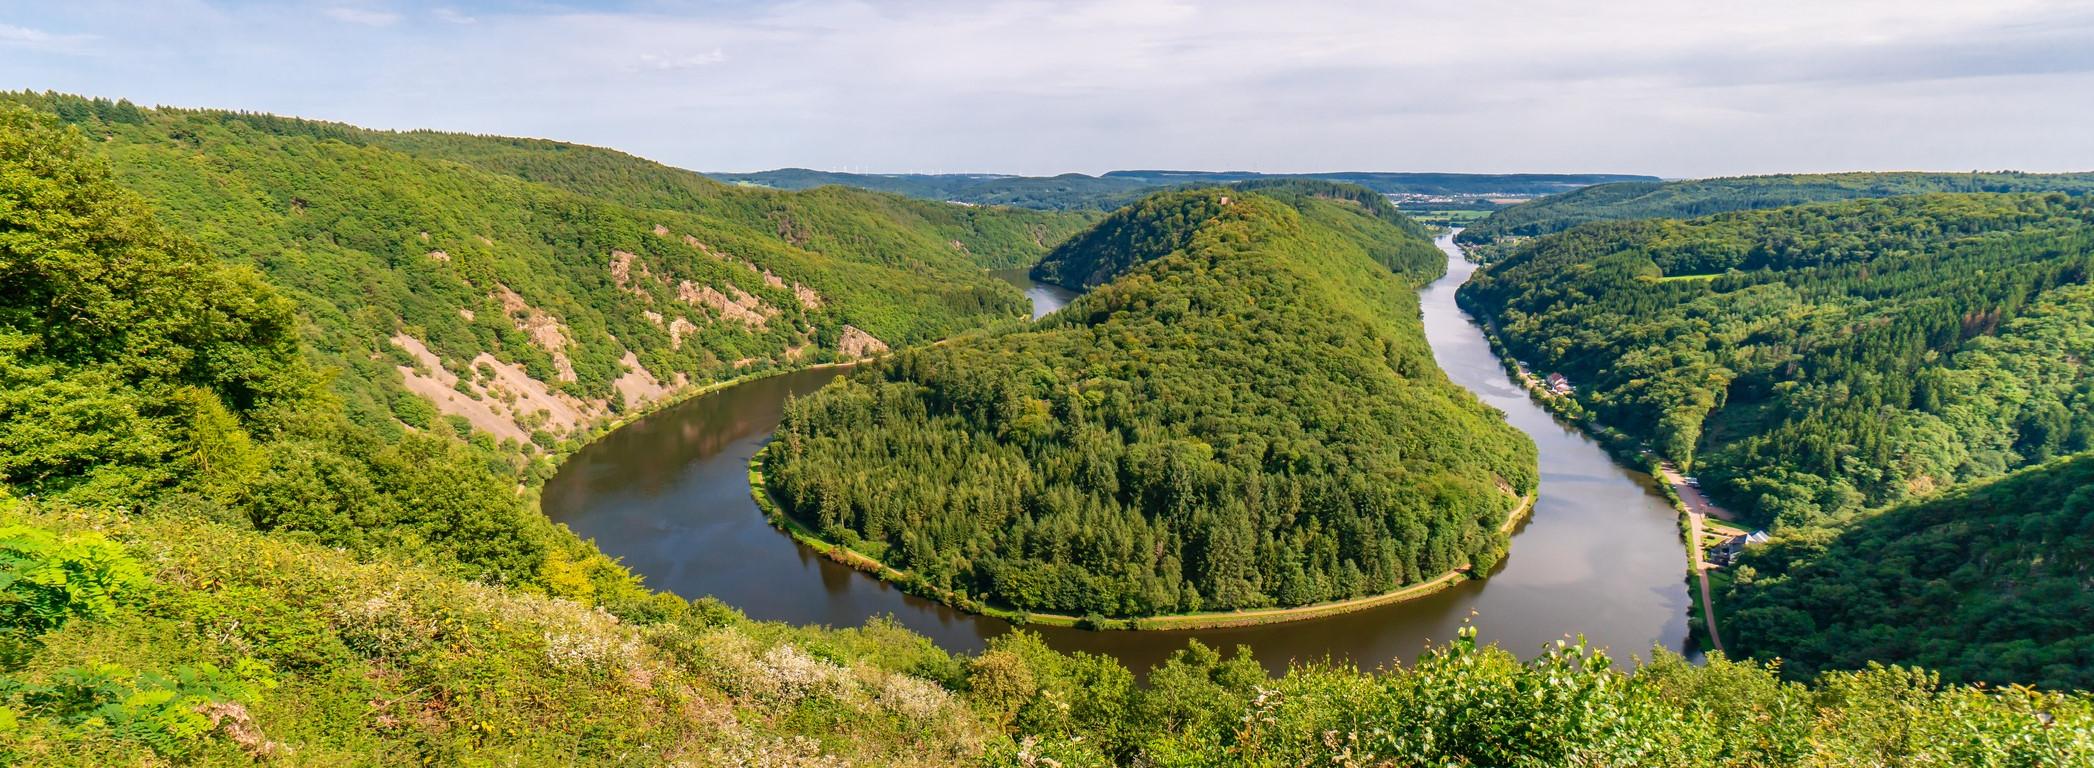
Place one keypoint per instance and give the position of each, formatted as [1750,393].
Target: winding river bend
[669,495]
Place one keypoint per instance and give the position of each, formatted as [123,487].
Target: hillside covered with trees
[138,367]
[1814,360]
[1243,413]
[1986,583]
[205,561]
[1702,197]
[524,291]
[1161,224]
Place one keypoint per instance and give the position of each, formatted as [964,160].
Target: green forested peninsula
[1987,583]
[1814,360]
[1701,197]
[204,561]
[1243,414]
[523,291]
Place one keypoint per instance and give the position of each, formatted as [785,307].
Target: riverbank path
[1698,508]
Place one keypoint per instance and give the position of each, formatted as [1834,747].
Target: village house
[1560,385]
[1727,551]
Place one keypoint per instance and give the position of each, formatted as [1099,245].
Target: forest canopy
[1986,583]
[1243,413]
[1691,198]
[1859,376]
[1815,360]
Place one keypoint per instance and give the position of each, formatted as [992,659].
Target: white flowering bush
[382,626]
[793,675]
[913,698]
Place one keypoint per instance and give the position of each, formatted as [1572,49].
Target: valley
[328,445]
[669,496]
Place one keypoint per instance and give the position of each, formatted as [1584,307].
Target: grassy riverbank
[909,582]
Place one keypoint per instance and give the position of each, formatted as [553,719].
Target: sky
[1675,88]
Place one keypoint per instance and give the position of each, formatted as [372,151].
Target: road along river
[1600,555]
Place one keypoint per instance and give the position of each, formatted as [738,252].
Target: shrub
[46,580]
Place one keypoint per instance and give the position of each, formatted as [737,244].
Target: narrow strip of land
[1701,574]
[1698,508]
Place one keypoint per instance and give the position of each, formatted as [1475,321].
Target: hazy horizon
[1040,89]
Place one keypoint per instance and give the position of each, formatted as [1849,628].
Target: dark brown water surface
[669,495]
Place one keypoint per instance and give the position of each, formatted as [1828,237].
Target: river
[1046,297]
[669,496]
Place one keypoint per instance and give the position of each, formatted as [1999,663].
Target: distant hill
[1651,199]
[1118,188]
[1139,233]
[1242,413]
[1512,184]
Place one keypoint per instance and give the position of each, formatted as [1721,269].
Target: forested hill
[1986,583]
[1245,415]
[1702,197]
[1159,224]
[1076,191]
[522,291]
[1813,360]
[993,235]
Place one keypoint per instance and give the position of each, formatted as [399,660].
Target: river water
[1046,297]
[1601,555]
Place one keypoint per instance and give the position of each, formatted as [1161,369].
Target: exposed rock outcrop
[637,386]
[741,307]
[678,329]
[858,343]
[807,297]
[508,404]
[545,331]
[631,275]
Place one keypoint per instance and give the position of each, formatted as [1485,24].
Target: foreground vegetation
[205,561]
[204,644]
[1702,197]
[1243,413]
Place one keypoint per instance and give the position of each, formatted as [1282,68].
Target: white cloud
[452,15]
[12,36]
[668,62]
[1036,86]
[364,16]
